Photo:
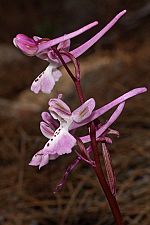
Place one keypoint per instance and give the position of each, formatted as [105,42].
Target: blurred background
[119,62]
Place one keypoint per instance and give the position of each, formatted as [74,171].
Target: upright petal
[44,82]
[84,111]
[56,105]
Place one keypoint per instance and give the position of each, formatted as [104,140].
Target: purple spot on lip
[38,154]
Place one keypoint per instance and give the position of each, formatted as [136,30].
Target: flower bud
[26,44]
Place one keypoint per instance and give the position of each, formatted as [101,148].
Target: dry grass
[26,194]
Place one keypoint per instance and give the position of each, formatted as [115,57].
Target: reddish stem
[76,79]
[100,175]
[98,169]
[75,62]
[64,64]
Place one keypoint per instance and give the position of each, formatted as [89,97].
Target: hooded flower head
[26,44]
[43,48]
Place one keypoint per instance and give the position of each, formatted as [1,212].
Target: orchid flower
[60,140]
[34,47]
[43,48]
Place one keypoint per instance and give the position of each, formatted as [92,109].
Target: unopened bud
[26,44]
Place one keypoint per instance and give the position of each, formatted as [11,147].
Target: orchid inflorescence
[59,124]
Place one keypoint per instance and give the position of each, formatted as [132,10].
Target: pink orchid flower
[42,48]
[60,140]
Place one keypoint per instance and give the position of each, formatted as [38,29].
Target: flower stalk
[76,77]
[97,168]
